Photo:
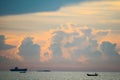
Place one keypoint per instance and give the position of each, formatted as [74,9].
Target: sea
[33,75]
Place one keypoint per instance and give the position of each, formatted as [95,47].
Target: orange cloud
[44,39]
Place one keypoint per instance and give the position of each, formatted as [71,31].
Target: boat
[44,71]
[92,74]
[18,69]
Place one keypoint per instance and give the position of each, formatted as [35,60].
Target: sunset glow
[76,35]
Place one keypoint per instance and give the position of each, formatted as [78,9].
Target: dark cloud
[109,48]
[10,7]
[110,52]
[56,46]
[90,51]
[111,56]
[29,51]
[56,49]
[3,45]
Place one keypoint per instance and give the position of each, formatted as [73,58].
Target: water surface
[7,75]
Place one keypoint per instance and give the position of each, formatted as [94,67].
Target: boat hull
[43,70]
[18,69]
[92,74]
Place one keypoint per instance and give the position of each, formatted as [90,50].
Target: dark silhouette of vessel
[18,69]
[92,74]
[44,71]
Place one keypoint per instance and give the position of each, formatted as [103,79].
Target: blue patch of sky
[13,7]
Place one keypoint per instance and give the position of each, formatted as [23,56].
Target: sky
[62,35]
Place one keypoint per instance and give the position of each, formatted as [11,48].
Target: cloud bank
[69,47]
[83,46]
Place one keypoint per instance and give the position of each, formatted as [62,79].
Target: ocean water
[7,75]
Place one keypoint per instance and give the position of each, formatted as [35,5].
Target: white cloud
[72,43]
[29,51]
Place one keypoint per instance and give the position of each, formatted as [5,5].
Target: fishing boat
[43,70]
[18,69]
[92,74]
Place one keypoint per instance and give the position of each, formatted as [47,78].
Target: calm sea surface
[4,75]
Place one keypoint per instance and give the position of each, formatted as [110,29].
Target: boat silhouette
[18,69]
[92,74]
[44,71]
